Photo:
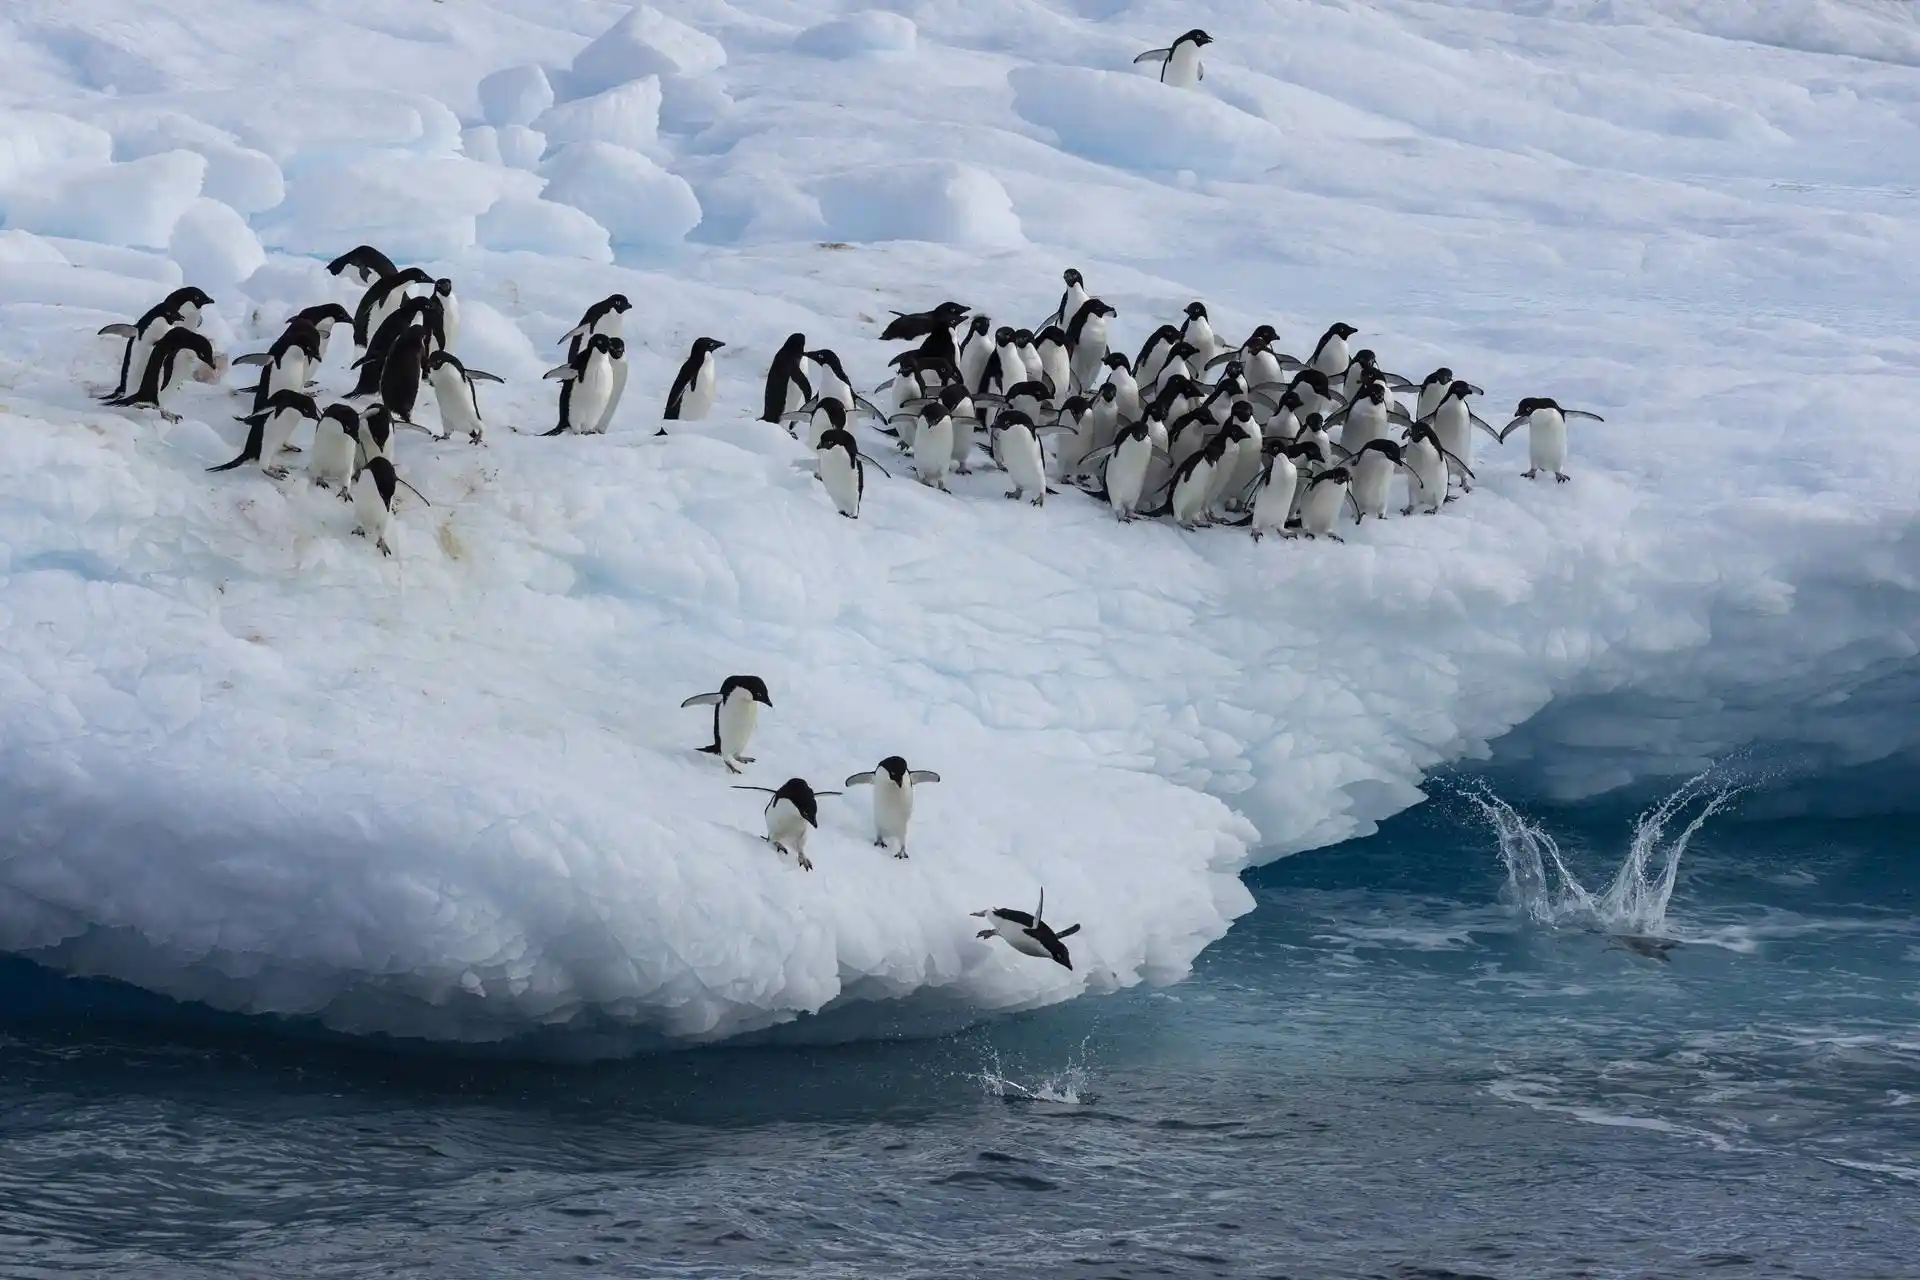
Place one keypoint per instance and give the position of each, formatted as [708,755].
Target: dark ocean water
[1409,1061]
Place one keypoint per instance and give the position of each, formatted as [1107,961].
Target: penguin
[269,431]
[333,448]
[1175,398]
[1017,445]
[1104,419]
[1546,424]
[1033,369]
[1366,417]
[603,316]
[1030,398]
[843,469]
[1154,354]
[1315,391]
[1128,459]
[1330,353]
[787,385]
[1126,387]
[1193,485]
[373,502]
[1320,507]
[323,317]
[1071,301]
[823,415]
[1373,467]
[1313,433]
[1283,423]
[1056,366]
[793,810]
[374,439]
[893,785]
[411,313]
[966,423]
[1429,462]
[1245,461]
[1180,64]
[1075,420]
[401,373]
[1005,367]
[974,351]
[616,383]
[933,445]
[367,263]
[181,307]
[449,312]
[455,394]
[287,364]
[1178,365]
[1272,492]
[832,381]
[736,709]
[586,383]
[909,326]
[1198,333]
[1365,368]
[174,357]
[690,399]
[1087,340]
[381,299]
[1030,935]
[1453,423]
[1430,392]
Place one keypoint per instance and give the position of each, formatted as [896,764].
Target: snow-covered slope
[452,795]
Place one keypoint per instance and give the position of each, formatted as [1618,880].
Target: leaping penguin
[1030,935]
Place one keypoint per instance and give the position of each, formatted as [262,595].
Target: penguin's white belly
[1365,424]
[1430,398]
[1262,369]
[1075,447]
[1455,430]
[1127,475]
[617,383]
[332,458]
[1320,511]
[1191,493]
[973,365]
[1429,476]
[697,403]
[738,715]
[456,403]
[1035,367]
[591,392]
[369,510]
[1371,481]
[1237,477]
[1200,335]
[1275,501]
[786,826]
[1056,369]
[1105,420]
[1020,455]
[892,808]
[1333,358]
[963,429]
[842,481]
[1091,351]
[1547,440]
[450,321]
[933,451]
[275,433]
[1183,66]
[818,424]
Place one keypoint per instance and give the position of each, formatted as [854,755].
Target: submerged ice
[452,796]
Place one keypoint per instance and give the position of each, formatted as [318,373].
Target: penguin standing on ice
[269,431]
[1180,64]
[182,307]
[585,384]
[175,357]
[1030,935]
[1087,341]
[1016,442]
[893,785]
[843,469]
[287,365]
[449,314]
[402,372]
[334,436]
[975,349]
[455,394]
[1327,493]
[1373,466]
[1546,424]
[787,385]
[793,811]
[1453,423]
[367,263]
[1429,462]
[382,298]
[374,438]
[691,397]
[1271,494]
[933,445]
[736,709]
[413,312]
[1071,301]
[1198,332]
[323,318]
[1330,355]
[604,316]
[1128,458]
[373,502]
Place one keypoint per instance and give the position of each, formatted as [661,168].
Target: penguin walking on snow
[691,397]
[1430,463]
[373,502]
[382,298]
[1030,935]
[793,811]
[269,431]
[736,709]
[586,383]
[787,385]
[1453,423]
[893,785]
[323,318]
[604,316]
[1087,341]
[176,356]
[1546,424]
[1180,64]
[933,445]
[1071,301]
[843,469]
[1327,493]
[334,447]
[182,308]
[401,375]
[455,394]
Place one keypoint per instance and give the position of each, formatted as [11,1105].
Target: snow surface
[452,795]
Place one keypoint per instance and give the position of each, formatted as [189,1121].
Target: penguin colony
[1192,426]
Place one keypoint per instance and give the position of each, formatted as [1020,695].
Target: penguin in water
[1087,340]
[604,316]
[691,396]
[1180,64]
[1071,301]
[334,436]
[787,385]
[1030,935]
[1430,464]
[323,318]
[893,785]
[909,326]
[1327,493]
[175,357]
[1453,423]
[736,709]
[367,263]
[792,812]
[373,502]
[181,307]
[585,384]
[269,431]
[843,469]
[455,394]
[1546,424]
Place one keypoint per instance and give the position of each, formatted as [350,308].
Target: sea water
[1492,1040]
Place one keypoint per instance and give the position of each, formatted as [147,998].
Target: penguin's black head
[1195,36]
[1333,475]
[826,359]
[1109,393]
[1076,405]
[1290,400]
[1101,308]
[413,275]
[934,412]
[346,416]
[1314,421]
[1374,391]
[440,360]
[599,342]
[1072,277]
[378,426]
[951,395]
[1196,311]
[707,344]
[1216,448]
[1055,334]
[753,686]
[1365,358]
[797,793]
[617,348]
[1242,412]
[836,411]
[1314,379]
[1023,337]
[1182,350]
[980,325]
[795,345]
[1004,335]
[1385,448]
[1342,331]
[950,313]
[895,767]
[329,313]
[443,287]
[190,294]
[1012,418]
[617,303]
[1461,389]
[1442,374]
[1531,403]
[1117,360]
[840,438]
[1265,334]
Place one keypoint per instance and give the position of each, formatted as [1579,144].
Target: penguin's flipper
[702,700]
[1502,434]
[416,493]
[924,775]
[257,357]
[481,375]
[1232,353]
[741,786]
[859,779]
[1067,932]
[562,372]
[119,331]
[1397,383]
[865,405]
[1396,414]
[1154,55]
[1581,413]
[1288,364]
[877,467]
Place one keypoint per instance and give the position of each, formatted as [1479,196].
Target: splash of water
[1541,884]
[1071,1086]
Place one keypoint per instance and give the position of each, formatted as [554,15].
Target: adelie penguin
[1128,459]
[373,502]
[1192,486]
[736,710]
[402,372]
[453,391]
[182,308]
[323,318]
[1327,493]
[1071,301]
[843,469]
[1030,935]
[1272,491]
[1429,463]
[1016,443]
[373,440]
[335,438]
[366,263]
[691,397]
[1087,341]
[787,385]
[585,385]
[933,445]
[1453,422]
[914,325]
[287,364]
[1373,466]
[893,785]
[791,814]
[382,298]
[423,313]
[605,316]
[177,355]
[1546,424]
[269,431]
[1330,353]
[1180,64]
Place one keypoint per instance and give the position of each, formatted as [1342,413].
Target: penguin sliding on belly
[793,811]
[735,712]
[893,785]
